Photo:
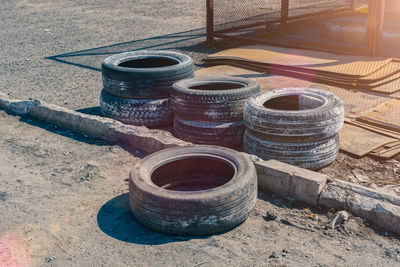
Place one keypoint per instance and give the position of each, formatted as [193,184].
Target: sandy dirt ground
[64,201]
[63,197]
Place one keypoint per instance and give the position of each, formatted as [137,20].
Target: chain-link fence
[338,25]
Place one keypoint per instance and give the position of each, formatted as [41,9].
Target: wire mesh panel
[310,7]
[240,13]
[346,26]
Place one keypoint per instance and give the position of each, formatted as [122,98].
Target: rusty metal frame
[374,26]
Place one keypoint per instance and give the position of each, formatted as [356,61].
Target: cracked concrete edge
[290,181]
[20,107]
[284,179]
[376,207]
[148,140]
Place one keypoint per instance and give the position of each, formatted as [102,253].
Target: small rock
[389,254]
[48,259]
[314,217]
[274,255]
[397,190]
[340,217]
[271,215]
[352,179]
[254,158]
[360,177]
[3,196]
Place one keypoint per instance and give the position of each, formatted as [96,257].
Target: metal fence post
[210,20]
[284,11]
[375,21]
[353,5]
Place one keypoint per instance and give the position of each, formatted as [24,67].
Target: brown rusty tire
[212,99]
[194,190]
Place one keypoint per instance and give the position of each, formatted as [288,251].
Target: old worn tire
[145,74]
[321,117]
[215,204]
[217,99]
[311,155]
[147,112]
[227,134]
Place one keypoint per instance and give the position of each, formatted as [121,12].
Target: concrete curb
[290,181]
[378,208]
[148,140]
[273,176]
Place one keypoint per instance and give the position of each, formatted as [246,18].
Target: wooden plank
[306,61]
[386,153]
[373,128]
[386,115]
[359,142]
[356,102]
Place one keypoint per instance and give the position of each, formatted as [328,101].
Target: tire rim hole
[293,102]
[217,86]
[193,174]
[150,62]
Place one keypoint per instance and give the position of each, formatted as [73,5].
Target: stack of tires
[209,110]
[298,126]
[137,85]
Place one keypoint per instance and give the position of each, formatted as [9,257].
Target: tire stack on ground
[209,110]
[137,85]
[194,190]
[298,126]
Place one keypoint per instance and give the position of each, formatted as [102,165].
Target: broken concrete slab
[290,181]
[20,107]
[379,208]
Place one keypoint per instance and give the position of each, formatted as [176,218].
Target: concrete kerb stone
[148,140]
[273,176]
[378,208]
[290,181]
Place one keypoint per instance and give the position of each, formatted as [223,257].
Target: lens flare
[13,253]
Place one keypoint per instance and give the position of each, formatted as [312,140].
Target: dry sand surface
[64,201]
[63,197]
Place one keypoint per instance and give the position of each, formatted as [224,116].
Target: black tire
[322,118]
[227,134]
[311,155]
[217,99]
[213,204]
[145,74]
[146,112]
